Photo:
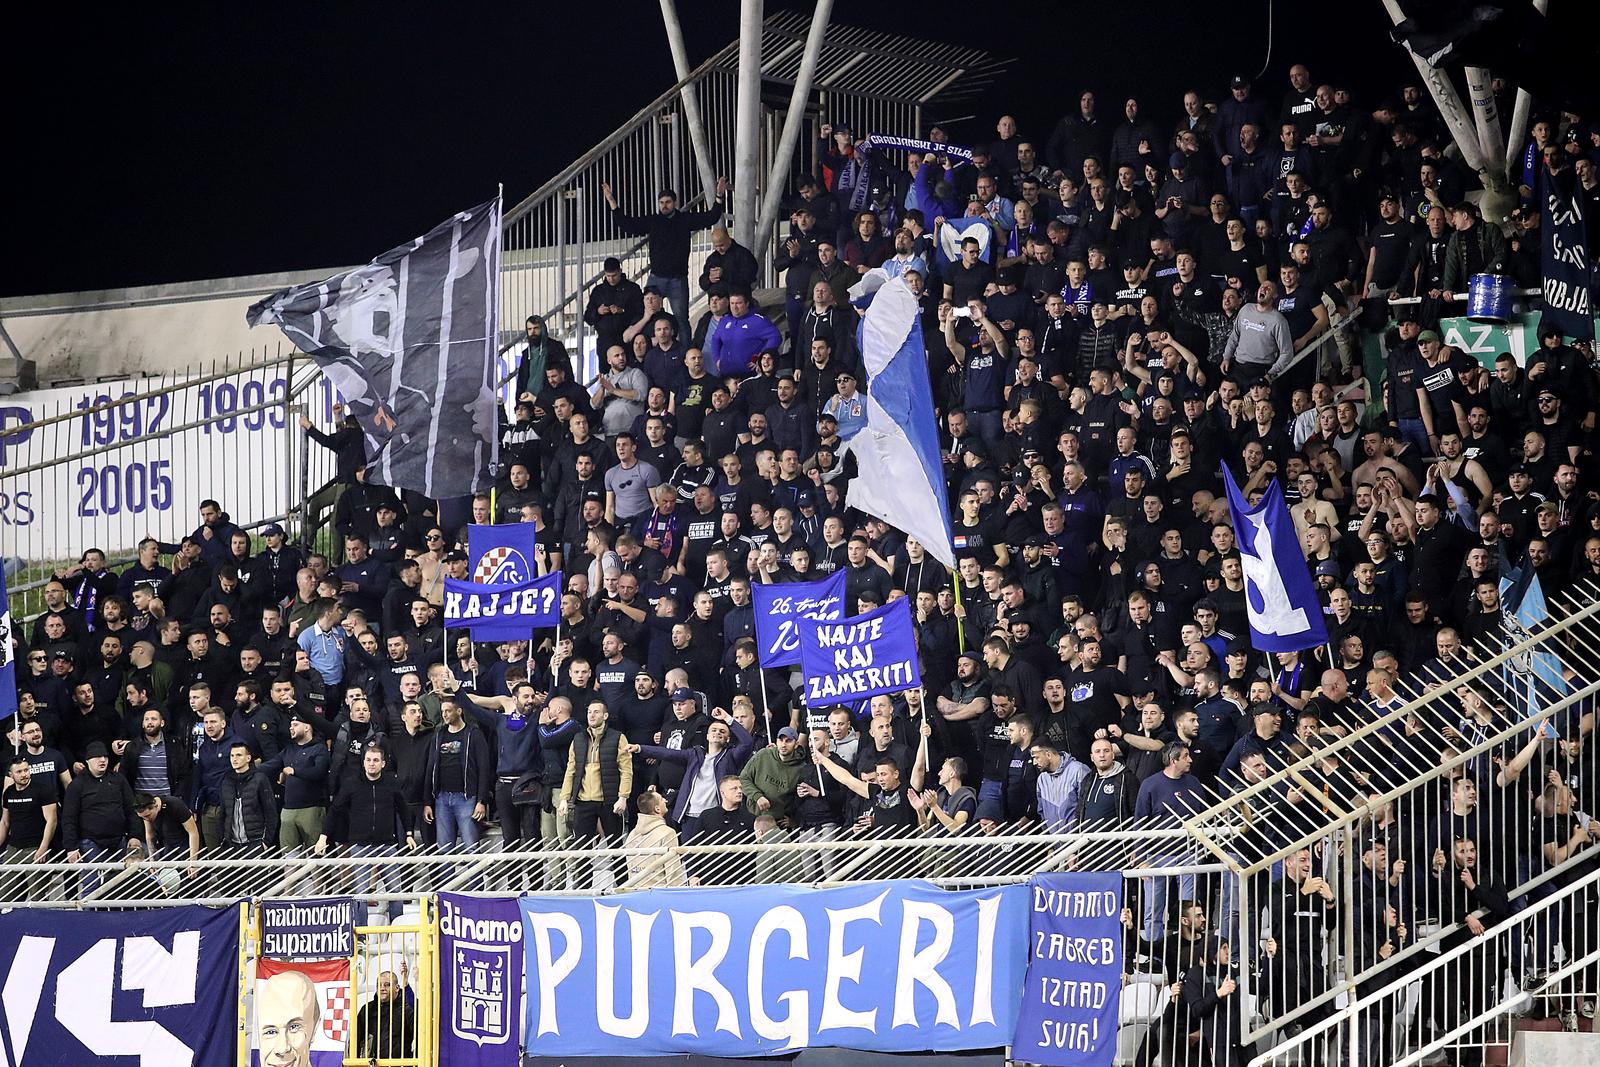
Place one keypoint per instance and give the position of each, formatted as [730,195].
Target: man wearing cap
[770,776]
[97,816]
[615,302]
[302,771]
[1441,387]
[847,407]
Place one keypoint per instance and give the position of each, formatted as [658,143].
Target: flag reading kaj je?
[409,342]
[1280,598]
[852,659]
[901,478]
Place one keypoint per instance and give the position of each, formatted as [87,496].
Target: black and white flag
[409,342]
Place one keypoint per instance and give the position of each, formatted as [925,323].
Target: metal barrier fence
[103,466]
[1541,963]
[1380,814]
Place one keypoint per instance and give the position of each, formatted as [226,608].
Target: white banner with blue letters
[894,967]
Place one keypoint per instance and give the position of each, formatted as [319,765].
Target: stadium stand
[1381,849]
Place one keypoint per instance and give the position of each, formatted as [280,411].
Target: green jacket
[769,775]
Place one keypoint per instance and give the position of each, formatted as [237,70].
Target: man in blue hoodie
[741,335]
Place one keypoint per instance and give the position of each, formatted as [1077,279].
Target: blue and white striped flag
[1280,596]
[901,478]
[409,342]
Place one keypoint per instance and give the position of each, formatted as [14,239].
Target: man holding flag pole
[1280,595]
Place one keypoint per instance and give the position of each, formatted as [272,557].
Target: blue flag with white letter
[8,656]
[1280,597]
[889,966]
[901,475]
[135,987]
[510,611]
[780,607]
[852,659]
[1072,996]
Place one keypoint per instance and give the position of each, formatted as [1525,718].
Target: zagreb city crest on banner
[483,993]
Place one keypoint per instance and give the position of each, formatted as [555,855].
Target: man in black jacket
[97,817]
[456,786]
[615,302]
[156,762]
[669,231]
[249,810]
[370,816]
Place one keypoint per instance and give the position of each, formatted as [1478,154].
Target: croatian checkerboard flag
[409,341]
[301,1006]
[1280,597]
[901,478]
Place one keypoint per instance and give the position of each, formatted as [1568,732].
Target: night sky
[156,147]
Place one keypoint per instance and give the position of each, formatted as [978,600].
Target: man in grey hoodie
[1261,344]
[1061,780]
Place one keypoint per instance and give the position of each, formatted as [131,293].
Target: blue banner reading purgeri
[134,987]
[895,967]
[780,606]
[480,981]
[508,612]
[1072,997]
[856,658]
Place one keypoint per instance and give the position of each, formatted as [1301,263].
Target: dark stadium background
[152,147]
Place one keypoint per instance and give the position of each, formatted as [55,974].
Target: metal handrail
[593,155]
[1351,1012]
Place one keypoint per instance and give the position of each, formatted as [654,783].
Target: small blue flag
[1533,678]
[1280,596]
[852,659]
[779,608]
[497,555]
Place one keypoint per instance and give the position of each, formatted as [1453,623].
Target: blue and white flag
[901,478]
[780,607]
[508,611]
[860,657]
[8,656]
[1280,596]
[889,966]
[955,231]
[1532,678]
[1072,996]
[147,988]
[1568,263]
[500,555]
[409,341]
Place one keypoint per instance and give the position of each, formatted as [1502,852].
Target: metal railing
[1544,956]
[1457,758]
[564,866]
[103,466]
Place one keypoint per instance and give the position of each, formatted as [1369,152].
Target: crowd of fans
[1164,291]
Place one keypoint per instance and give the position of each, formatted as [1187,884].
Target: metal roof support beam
[747,124]
[792,123]
[691,104]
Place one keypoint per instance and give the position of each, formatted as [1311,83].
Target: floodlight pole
[792,124]
[704,164]
[747,123]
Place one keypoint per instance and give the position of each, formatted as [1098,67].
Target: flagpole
[766,712]
[961,631]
